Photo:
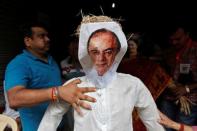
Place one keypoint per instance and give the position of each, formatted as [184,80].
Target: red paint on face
[102,50]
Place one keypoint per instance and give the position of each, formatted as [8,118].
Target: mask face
[102,46]
[102,50]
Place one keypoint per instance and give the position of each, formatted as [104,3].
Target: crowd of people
[102,85]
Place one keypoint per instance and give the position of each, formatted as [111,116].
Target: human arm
[20,96]
[191,87]
[176,88]
[21,86]
[181,91]
[164,120]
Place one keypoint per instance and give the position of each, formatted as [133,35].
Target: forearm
[175,125]
[164,120]
[187,128]
[22,97]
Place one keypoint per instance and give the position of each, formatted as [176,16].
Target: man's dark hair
[103,30]
[26,29]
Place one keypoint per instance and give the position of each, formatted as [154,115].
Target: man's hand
[164,120]
[73,95]
[185,105]
[179,90]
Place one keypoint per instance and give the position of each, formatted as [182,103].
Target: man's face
[179,38]
[102,50]
[39,41]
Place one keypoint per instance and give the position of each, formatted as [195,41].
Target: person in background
[180,103]
[71,66]
[33,79]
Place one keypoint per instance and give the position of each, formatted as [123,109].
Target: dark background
[62,16]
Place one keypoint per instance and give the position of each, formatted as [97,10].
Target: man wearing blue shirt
[32,80]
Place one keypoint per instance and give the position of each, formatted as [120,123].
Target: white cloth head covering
[85,31]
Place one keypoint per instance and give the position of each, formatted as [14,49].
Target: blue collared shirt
[29,71]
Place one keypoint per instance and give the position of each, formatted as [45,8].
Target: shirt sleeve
[147,109]
[53,116]
[17,73]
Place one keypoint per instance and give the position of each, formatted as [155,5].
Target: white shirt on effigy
[113,109]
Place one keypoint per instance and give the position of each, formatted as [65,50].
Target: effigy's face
[102,50]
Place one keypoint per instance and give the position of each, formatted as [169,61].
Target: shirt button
[104,127]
